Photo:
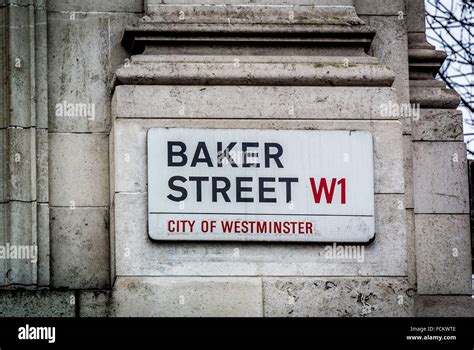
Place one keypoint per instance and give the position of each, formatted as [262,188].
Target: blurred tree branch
[450,26]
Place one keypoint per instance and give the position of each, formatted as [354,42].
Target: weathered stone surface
[118,54]
[408,171]
[41,65]
[19,111]
[3,62]
[23,176]
[444,306]
[438,125]
[3,233]
[81,76]
[432,97]
[3,164]
[20,223]
[176,297]
[112,208]
[136,254]
[411,246]
[96,5]
[234,69]
[97,303]
[443,254]
[42,173]
[380,7]
[130,147]
[79,247]
[337,297]
[188,297]
[39,303]
[272,102]
[152,3]
[15,2]
[21,183]
[43,243]
[391,48]
[391,238]
[84,52]
[79,174]
[266,13]
[241,57]
[440,178]
[415,13]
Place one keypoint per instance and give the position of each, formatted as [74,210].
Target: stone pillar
[390,46]
[24,141]
[84,51]
[440,182]
[269,65]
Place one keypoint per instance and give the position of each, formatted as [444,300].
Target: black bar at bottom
[412,333]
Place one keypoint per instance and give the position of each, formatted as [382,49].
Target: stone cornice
[317,45]
[170,53]
[434,97]
[424,63]
[301,74]
[424,60]
[136,38]
[339,12]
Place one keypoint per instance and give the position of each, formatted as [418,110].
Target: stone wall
[75,183]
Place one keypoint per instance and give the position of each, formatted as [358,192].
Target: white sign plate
[260,185]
